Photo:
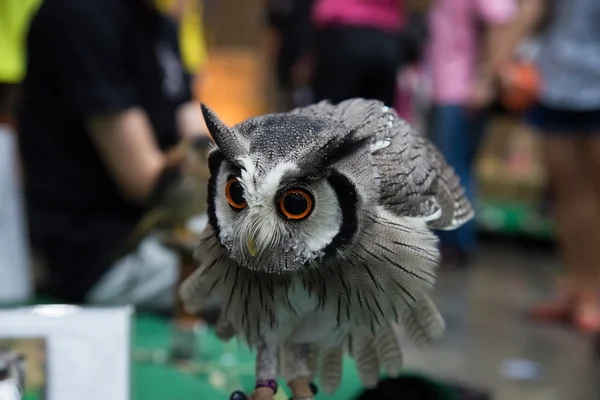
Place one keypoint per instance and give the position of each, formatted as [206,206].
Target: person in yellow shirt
[189,15]
[14,21]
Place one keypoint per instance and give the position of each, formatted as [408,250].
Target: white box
[88,349]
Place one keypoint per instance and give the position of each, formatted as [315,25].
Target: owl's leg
[266,371]
[296,370]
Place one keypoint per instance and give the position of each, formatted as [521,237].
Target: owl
[320,239]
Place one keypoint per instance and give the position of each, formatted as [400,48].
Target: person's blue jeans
[457,132]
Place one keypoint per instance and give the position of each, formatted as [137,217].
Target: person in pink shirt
[468,41]
[357,49]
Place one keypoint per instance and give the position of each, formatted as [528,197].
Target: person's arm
[127,146]
[190,122]
[89,55]
[497,17]
[503,37]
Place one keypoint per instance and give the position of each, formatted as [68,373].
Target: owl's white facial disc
[279,244]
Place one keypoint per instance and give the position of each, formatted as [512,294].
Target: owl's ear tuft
[227,139]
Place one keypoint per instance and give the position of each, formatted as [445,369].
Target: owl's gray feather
[232,144]
[379,184]
[423,325]
[416,180]
[330,362]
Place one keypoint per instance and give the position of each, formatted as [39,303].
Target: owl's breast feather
[308,324]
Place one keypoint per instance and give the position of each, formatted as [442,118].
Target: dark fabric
[291,19]
[413,38]
[88,58]
[356,62]
[551,120]
[407,387]
[8,94]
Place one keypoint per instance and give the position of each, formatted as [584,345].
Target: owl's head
[277,201]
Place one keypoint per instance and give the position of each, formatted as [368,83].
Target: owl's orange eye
[296,204]
[234,191]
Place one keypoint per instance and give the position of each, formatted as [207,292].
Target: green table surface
[226,367]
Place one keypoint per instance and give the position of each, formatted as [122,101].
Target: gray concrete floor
[484,307]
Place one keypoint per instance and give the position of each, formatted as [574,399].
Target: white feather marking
[419,223]
[437,214]
[269,186]
[380,144]
[248,171]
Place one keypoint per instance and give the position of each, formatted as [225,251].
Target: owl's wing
[200,286]
[416,180]
[422,323]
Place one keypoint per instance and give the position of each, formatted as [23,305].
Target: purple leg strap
[269,383]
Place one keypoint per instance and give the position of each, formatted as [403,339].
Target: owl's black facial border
[293,186]
[347,196]
[215,161]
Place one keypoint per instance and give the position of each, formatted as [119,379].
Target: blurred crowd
[100,96]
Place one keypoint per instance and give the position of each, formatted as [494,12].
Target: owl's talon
[237,395]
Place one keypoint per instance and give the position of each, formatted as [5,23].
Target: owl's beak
[251,247]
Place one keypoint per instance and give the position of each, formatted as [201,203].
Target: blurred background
[103,160]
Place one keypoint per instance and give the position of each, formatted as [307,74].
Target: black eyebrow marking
[238,165]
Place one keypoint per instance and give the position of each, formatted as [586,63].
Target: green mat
[231,368]
[228,367]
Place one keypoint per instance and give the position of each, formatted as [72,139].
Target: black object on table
[413,386]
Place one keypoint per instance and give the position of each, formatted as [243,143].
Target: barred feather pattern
[361,289]
[224,330]
[368,290]
[330,368]
[248,298]
[367,364]
[423,323]
[373,352]
[312,362]
[294,361]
